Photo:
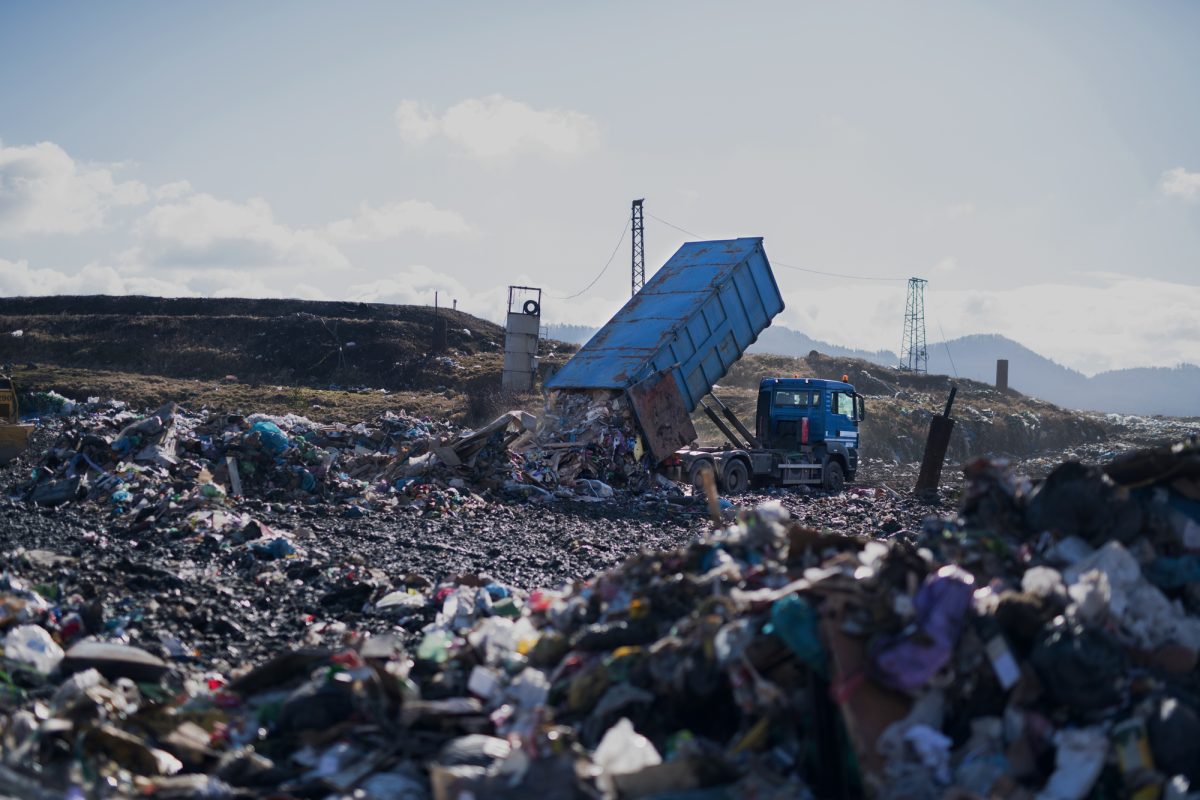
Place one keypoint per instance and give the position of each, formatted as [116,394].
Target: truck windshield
[792,399]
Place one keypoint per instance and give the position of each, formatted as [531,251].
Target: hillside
[345,361]
[307,343]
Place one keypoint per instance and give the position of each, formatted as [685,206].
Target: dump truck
[674,340]
[805,433]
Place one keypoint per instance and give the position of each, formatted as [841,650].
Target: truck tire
[694,474]
[736,478]
[834,479]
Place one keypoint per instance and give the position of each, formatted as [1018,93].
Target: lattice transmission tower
[912,350]
[638,225]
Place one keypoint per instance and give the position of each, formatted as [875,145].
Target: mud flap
[660,411]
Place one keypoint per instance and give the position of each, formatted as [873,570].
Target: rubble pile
[173,468]
[1040,643]
[182,470]
[590,435]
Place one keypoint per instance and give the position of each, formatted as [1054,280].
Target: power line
[676,227]
[775,263]
[602,271]
[783,264]
[946,345]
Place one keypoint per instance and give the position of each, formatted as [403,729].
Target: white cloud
[1109,322]
[200,230]
[173,190]
[959,210]
[948,264]
[197,230]
[416,286]
[416,121]
[17,278]
[1180,183]
[393,219]
[238,283]
[45,191]
[496,126]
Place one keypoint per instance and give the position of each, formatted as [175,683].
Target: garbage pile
[173,465]
[1042,643]
[590,435]
[178,469]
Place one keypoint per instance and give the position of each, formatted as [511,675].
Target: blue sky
[1038,163]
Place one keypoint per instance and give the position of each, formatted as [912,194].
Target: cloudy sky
[1038,163]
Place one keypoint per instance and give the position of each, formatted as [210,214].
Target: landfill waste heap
[174,468]
[1041,643]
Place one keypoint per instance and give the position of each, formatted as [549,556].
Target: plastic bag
[30,644]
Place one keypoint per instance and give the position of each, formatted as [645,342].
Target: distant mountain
[1173,391]
[787,342]
[1170,391]
[1147,390]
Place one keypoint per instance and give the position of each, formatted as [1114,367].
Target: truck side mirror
[862,406]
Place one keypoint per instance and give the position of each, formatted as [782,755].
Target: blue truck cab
[817,418]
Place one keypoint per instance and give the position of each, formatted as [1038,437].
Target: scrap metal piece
[936,444]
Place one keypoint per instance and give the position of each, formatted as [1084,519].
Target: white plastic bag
[30,644]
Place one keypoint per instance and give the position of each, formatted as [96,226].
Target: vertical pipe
[1002,374]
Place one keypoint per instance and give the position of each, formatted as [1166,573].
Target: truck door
[842,424]
[817,413]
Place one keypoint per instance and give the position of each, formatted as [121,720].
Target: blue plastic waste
[1168,572]
[278,547]
[795,622]
[497,591]
[274,440]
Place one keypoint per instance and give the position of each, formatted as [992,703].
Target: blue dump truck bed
[695,317]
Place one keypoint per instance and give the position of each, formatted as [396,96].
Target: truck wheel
[834,480]
[737,478]
[696,472]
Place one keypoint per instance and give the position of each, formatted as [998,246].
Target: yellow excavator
[14,435]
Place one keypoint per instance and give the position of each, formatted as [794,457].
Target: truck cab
[810,421]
